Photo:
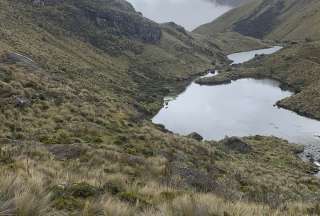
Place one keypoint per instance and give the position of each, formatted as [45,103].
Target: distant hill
[270,19]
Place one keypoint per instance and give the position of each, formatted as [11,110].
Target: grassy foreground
[158,174]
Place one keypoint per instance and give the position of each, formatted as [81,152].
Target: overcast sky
[188,13]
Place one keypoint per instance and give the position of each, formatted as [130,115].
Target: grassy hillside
[232,42]
[78,81]
[275,20]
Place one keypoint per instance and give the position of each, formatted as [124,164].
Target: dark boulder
[180,175]
[15,58]
[66,152]
[162,128]
[195,136]
[22,102]
[236,144]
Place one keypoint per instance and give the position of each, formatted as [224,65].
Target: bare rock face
[128,24]
[104,18]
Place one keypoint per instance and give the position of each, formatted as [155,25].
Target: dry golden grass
[25,196]
[117,208]
[28,196]
[84,146]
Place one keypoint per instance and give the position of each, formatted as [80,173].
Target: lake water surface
[243,108]
[242,57]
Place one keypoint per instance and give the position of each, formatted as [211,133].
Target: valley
[81,80]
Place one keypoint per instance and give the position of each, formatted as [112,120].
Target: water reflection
[243,108]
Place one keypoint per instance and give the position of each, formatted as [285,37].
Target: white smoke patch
[187,13]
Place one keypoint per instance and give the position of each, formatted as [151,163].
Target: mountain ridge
[273,20]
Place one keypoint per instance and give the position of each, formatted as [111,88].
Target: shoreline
[227,77]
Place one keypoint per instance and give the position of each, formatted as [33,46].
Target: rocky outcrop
[126,24]
[195,136]
[12,57]
[175,27]
[102,18]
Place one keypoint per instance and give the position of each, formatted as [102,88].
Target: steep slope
[63,61]
[275,20]
[123,35]
[78,80]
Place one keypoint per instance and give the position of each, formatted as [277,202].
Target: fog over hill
[189,14]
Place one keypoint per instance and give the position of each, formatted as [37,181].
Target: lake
[238,58]
[243,108]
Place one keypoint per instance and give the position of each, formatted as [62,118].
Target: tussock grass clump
[23,196]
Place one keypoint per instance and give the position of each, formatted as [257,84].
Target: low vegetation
[159,174]
[75,134]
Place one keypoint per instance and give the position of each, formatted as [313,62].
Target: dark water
[188,13]
[244,107]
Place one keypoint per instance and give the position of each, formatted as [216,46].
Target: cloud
[188,13]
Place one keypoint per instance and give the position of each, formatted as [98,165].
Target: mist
[187,13]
